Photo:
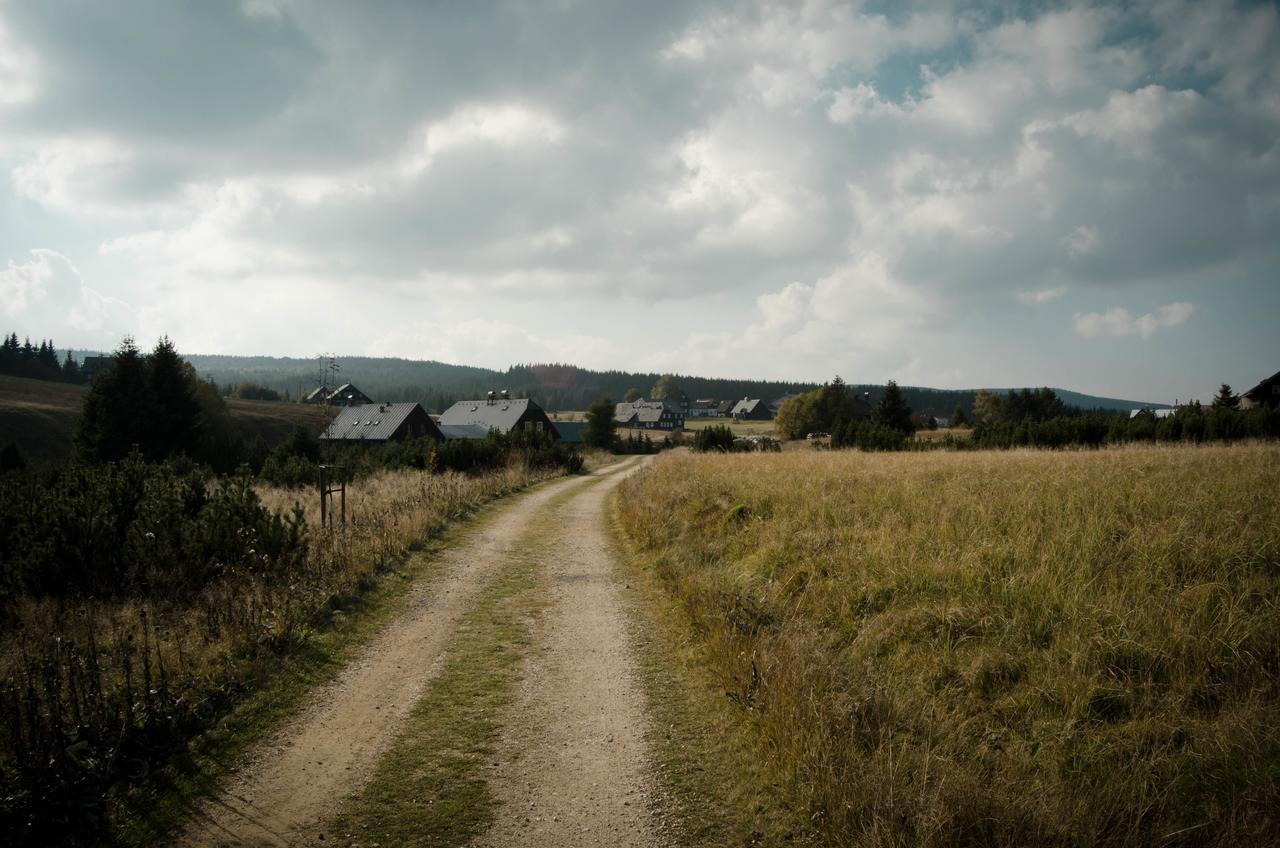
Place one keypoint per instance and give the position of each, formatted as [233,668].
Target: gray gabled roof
[1263,389]
[498,414]
[746,406]
[642,411]
[368,422]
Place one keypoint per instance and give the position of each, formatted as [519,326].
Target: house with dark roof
[473,419]
[751,409]
[703,408]
[778,402]
[1266,393]
[725,408]
[377,423]
[345,395]
[644,414]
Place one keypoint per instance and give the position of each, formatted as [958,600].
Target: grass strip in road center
[432,787]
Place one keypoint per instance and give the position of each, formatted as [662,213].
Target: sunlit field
[1013,648]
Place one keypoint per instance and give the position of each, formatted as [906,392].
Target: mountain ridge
[557,386]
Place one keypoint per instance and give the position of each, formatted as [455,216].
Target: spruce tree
[892,411]
[119,409]
[1225,398]
[601,429]
[177,424]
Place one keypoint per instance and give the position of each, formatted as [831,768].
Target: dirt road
[572,767]
[575,747]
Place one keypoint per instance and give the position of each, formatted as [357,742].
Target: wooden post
[327,490]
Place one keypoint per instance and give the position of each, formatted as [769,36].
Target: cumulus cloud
[1118,321]
[828,178]
[45,296]
[1035,298]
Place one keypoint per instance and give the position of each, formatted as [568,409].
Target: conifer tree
[601,429]
[1225,398]
[892,411]
[119,408]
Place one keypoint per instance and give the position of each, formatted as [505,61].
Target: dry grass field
[181,663]
[1015,648]
[739,428]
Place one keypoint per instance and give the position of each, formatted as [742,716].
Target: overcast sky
[954,196]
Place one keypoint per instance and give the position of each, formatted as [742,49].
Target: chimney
[490,397]
[506,395]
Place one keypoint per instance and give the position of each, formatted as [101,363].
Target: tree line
[38,362]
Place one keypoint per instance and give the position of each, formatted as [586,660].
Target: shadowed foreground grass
[1014,648]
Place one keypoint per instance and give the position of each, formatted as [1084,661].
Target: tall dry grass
[1013,648]
[93,692]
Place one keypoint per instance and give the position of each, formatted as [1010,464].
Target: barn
[752,409]
[376,423]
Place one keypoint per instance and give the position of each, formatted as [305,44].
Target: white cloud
[1039,296]
[1082,241]
[18,71]
[848,104]
[74,174]
[510,126]
[1118,321]
[46,296]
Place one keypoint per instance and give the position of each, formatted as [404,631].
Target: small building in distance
[345,395]
[1266,393]
[703,408]
[473,419]
[751,409]
[778,402]
[644,414]
[375,423]
[1161,412]
[725,408]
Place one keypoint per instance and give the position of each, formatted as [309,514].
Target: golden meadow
[996,648]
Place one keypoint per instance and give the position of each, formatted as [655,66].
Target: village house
[751,409]
[473,419]
[376,423]
[777,403]
[703,408]
[345,395]
[1266,393]
[725,408]
[649,415]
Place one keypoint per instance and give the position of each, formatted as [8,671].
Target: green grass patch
[432,787]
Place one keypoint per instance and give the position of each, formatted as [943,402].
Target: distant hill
[437,385]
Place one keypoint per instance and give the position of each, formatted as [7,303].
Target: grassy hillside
[40,417]
[1014,648]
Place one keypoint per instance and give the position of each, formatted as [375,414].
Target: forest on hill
[437,385]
